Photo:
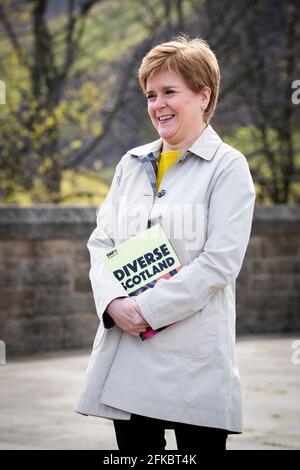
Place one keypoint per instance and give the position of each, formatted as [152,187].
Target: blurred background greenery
[73,105]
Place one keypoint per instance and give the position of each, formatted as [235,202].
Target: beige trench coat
[188,372]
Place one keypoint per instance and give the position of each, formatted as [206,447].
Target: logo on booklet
[112,253]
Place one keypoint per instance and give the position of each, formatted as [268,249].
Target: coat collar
[204,147]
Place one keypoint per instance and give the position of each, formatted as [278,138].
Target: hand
[135,304]
[125,313]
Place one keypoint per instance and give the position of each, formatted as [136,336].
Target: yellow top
[166,160]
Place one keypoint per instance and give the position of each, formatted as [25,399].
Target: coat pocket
[194,337]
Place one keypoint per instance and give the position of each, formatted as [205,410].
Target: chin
[166,135]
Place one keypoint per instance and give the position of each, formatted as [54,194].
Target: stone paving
[37,395]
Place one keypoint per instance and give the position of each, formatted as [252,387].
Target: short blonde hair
[193,59]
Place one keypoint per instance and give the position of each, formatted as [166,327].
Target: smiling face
[175,110]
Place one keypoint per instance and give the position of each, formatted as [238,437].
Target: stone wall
[46,301]
[268,286]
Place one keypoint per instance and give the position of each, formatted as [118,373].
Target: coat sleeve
[230,215]
[104,284]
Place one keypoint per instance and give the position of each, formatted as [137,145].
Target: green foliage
[111,31]
[39,133]
[80,188]
[42,128]
[37,142]
[248,140]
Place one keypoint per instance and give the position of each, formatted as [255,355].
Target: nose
[159,103]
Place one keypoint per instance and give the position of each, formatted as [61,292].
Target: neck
[184,144]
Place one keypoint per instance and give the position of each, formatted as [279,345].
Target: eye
[169,91]
[149,97]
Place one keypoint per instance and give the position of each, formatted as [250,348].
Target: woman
[200,189]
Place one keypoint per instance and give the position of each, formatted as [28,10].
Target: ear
[205,97]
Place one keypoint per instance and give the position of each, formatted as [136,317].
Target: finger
[141,328]
[135,306]
[137,331]
[138,324]
[137,309]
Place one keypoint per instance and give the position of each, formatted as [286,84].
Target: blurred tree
[271,44]
[54,115]
[39,122]
[258,45]
[60,105]
[72,88]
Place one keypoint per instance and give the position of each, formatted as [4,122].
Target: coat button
[161,193]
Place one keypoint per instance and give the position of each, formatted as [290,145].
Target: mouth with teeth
[165,118]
